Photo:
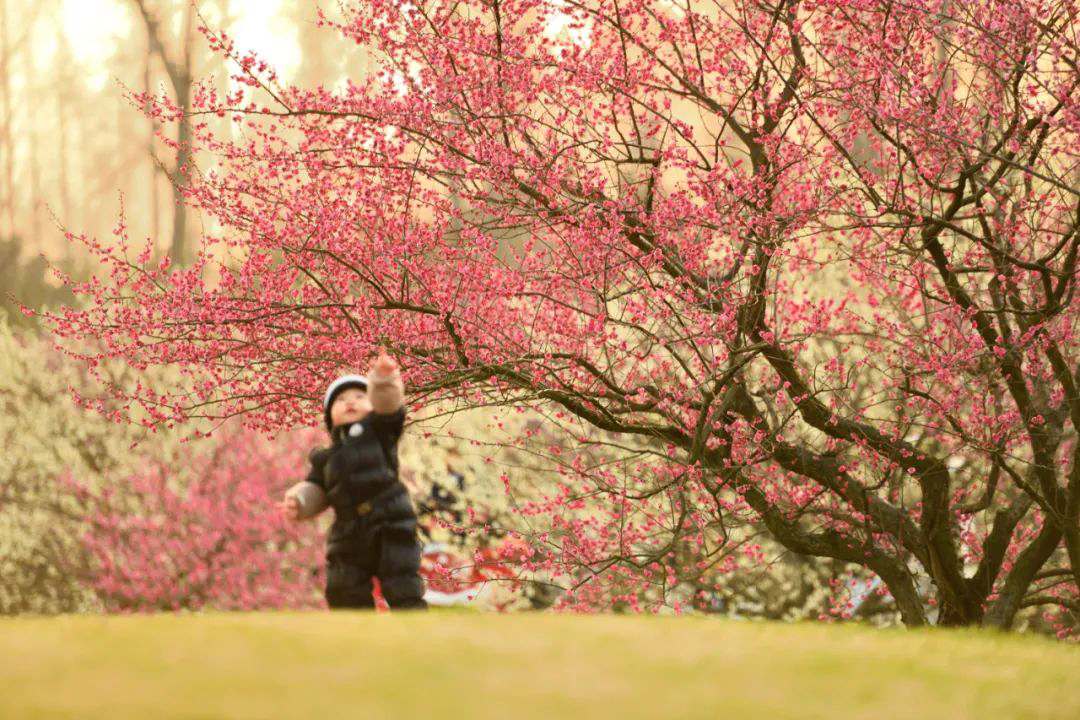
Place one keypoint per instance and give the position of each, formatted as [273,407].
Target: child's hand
[289,508]
[384,364]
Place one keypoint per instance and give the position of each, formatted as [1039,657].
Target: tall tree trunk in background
[64,87]
[86,203]
[34,137]
[218,67]
[316,67]
[35,188]
[7,149]
[182,84]
[155,166]
[179,72]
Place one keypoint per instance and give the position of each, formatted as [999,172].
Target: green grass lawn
[470,665]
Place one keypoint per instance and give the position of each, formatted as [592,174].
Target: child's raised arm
[385,389]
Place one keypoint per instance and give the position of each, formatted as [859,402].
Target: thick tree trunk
[1002,611]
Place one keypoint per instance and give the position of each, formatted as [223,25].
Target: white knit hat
[345,381]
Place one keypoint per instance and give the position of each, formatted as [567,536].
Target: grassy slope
[457,665]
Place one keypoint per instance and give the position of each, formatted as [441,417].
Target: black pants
[390,554]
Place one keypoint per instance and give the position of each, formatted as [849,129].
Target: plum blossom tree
[805,266]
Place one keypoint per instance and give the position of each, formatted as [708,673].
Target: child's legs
[399,568]
[348,585]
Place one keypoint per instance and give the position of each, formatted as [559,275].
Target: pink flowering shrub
[204,535]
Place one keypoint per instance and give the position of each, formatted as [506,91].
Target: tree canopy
[804,264]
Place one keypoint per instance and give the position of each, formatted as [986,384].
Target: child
[374,530]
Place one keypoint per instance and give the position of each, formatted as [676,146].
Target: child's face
[349,406]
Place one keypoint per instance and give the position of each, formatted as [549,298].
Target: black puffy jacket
[359,474]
